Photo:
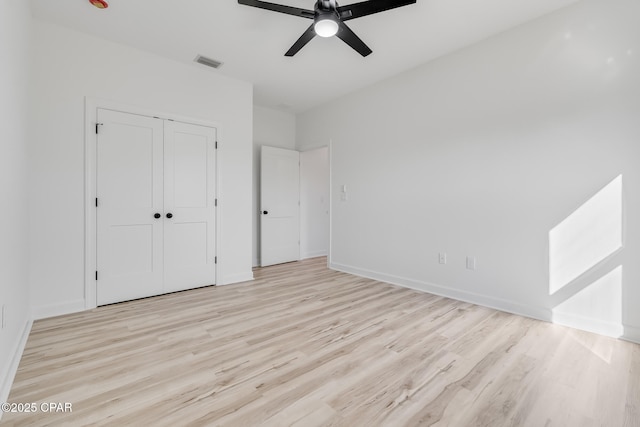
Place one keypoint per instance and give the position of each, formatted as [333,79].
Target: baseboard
[596,326]
[470,297]
[59,309]
[236,278]
[10,373]
[631,334]
[627,333]
[313,254]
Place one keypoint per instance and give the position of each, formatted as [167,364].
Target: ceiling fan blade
[364,8]
[302,41]
[295,11]
[350,38]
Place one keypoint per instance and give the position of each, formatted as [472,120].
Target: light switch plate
[471,263]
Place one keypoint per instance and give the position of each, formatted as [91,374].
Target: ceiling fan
[328,19]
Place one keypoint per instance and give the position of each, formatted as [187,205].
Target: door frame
[92,105]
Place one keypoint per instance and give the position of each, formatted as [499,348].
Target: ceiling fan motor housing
[326,5]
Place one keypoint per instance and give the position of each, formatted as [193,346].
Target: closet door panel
[129,177]
[189,195]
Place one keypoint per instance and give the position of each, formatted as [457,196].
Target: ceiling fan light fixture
[326,26]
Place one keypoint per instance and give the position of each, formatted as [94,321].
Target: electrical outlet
[471,262]
[442,257]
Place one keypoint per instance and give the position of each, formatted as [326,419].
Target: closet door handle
[169,215]
[157,215]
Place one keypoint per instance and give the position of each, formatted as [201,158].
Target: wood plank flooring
[305,346]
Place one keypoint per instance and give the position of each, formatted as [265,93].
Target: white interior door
[129,190]
[189,199]
[280,202]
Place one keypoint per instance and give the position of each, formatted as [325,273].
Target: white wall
[68,66]
[275,129]
[484,152]
[15,49]
[314,202]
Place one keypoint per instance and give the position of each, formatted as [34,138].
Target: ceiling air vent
[208,61]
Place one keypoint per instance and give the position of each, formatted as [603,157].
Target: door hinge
[96,275]
[96,202]
[216,145]
[215,260]
[215,203]
[98,124]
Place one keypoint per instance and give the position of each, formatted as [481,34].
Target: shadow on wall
[585,279]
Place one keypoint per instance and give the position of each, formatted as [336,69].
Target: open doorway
[314,203]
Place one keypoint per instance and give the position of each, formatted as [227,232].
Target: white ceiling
[251,42]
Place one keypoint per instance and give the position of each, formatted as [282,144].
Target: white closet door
[129,190]
[189,200]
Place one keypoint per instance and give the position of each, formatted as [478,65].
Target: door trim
[92,105]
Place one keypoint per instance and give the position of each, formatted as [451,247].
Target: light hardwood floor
[305,346]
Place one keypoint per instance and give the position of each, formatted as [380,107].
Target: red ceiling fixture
[100,4]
